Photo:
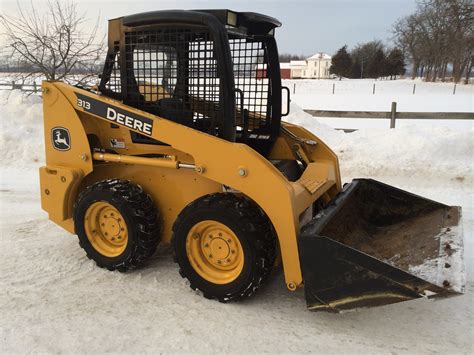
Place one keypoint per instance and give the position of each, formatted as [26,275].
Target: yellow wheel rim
[106,229]
[214,252]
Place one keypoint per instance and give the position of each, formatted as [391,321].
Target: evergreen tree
[395,63]
[377,65]
[367,59]
[341,63]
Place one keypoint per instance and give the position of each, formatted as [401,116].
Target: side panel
[58,191]
[171,189]
[68,157]
[59,113]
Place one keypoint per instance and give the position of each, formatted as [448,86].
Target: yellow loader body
[219,165]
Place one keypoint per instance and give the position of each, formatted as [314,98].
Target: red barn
[285,70]
[261,71]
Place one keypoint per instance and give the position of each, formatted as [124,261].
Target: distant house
[314,67]
[318,66]
[297,67]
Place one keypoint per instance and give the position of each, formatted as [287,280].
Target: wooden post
[16,86]
[34,87]
[294,88]
[333,87]
[414,88]
[454,90]
[373,90]
[393,115]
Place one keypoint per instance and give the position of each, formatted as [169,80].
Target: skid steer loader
[182,142]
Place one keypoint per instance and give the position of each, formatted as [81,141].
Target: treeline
[287,57]
[368,60]
[10,66]
[438,39]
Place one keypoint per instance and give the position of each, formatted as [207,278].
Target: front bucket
[376,245]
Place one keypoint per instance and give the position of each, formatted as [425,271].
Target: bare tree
[450,24]
[439,36]
[53,44]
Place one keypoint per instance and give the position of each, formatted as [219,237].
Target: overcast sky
[309,26]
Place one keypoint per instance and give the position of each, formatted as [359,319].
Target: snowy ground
[356,95]
[53,299]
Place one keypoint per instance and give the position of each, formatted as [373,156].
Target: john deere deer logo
[61,139]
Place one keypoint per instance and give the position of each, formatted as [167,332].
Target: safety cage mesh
[173,73]
[251,77]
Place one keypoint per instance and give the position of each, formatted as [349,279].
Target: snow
[319,56]
[356,95]
[297,63]
[53,299]
[424,152]
[434,270]
[21,126]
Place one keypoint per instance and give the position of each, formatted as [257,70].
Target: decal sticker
[115,114]
[60,138]
[117,143]
[259,136]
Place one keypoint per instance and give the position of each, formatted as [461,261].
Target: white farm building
[314,67]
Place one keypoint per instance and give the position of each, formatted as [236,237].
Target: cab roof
[254,22]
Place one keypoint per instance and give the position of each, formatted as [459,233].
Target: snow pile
[411,151]
[21,129]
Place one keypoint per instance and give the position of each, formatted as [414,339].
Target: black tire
[254,231]
[139,214]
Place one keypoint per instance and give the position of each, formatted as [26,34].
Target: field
[357,95]
[53,299]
